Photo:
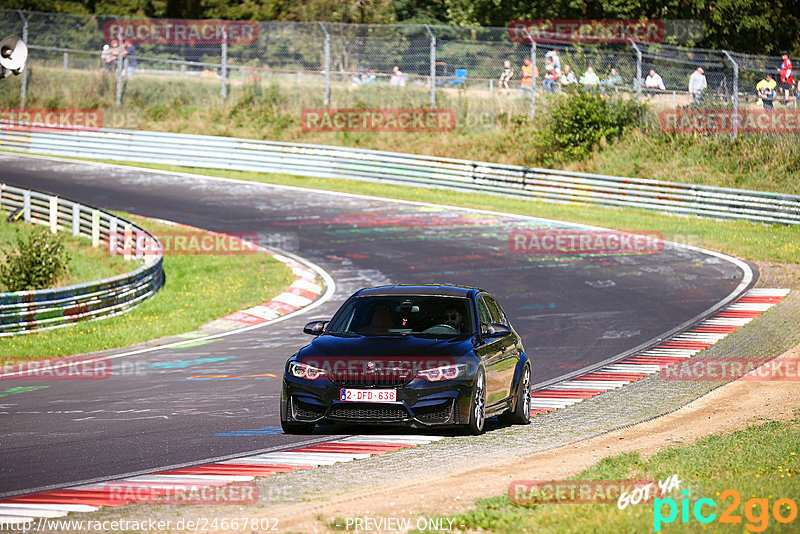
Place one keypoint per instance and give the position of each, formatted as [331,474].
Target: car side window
[497,314]
[484,314]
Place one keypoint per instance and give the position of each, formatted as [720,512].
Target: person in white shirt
[568,77]
[654,81]
[398,78]
[553,55]
[697,84]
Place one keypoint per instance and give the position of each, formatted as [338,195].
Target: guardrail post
[66,61]
[735,99]
[112,234]
[224,89]
[432,67]
[326,95]
[54,215]
[95,228]
[127,243]
[76,220]
[23,95]
[26,205]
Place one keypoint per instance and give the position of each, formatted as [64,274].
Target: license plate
[368,395]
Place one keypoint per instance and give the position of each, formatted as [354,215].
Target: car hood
[379,347]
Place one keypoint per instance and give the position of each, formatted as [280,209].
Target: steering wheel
[446,326]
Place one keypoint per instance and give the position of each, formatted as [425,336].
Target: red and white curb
[678,348]
[88,498]
[303,291]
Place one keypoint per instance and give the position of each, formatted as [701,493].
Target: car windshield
[427,316]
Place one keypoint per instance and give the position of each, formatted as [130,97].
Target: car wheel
[521,415]
[291,427]
[477,409]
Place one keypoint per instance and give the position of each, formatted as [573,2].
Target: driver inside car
[452,318]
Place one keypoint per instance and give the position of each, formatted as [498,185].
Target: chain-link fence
[313,64]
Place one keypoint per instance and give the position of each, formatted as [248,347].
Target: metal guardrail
[27,311]
[408,169]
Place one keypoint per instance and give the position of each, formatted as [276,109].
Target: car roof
[411,290]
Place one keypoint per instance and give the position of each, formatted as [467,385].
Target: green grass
[761,462]
[740,238]
[86,263]
[198,289]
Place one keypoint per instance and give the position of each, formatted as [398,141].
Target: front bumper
[420,404]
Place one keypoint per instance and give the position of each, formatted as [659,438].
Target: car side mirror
[315,328]
[497,330]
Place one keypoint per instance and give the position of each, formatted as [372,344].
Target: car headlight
[302,370]
[445,372]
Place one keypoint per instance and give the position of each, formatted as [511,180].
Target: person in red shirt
[786,75]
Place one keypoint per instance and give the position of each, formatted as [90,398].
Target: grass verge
[744,239]
[198,289]
[86,263]
[761,463]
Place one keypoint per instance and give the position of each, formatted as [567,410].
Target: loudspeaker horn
[13,54]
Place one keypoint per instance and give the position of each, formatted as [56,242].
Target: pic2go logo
[756,511]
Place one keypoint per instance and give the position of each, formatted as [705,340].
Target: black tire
[521,414]
[292,427]
[477,406]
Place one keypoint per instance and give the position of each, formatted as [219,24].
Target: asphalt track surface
[571,312]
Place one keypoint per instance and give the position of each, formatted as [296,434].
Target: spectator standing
[105,55]
[654,81]
[766,91]
[526,72]
[697,84]
[550,76]
[568,77]
[787,81]
[506,75]
[553,55]
[398,78]
[590,79]
[130,61]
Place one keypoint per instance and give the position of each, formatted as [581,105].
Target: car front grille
[369,412]
[382,378]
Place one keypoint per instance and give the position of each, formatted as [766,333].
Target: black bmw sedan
[418,356]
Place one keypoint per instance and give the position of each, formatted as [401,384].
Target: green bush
[580,122]
[34,261]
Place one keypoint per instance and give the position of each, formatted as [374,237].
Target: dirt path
[731,407]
